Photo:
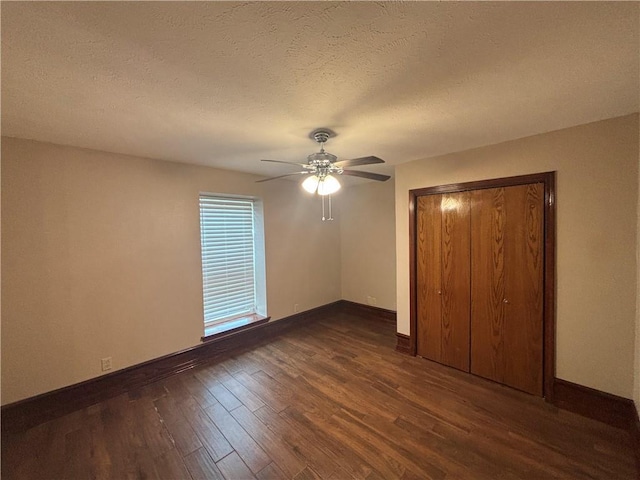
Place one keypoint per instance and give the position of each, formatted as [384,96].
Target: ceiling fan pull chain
[330,214]
[323,219]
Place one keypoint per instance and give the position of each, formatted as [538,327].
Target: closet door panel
[428,273]
[488,221]
[456,294]
[523,332]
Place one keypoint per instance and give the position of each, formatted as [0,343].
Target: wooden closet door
[506,285]
[524,259]
[487,283]
[443,274]
[429,277]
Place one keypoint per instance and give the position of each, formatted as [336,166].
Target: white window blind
[228,257]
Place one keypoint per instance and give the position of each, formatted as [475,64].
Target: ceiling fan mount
[321,135]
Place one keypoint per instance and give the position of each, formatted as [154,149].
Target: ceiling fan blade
[288,163]
[280,176]
[369,175]
[358,161]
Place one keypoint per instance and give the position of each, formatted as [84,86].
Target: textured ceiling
[227,83]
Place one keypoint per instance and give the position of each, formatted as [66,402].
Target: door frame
[549,273]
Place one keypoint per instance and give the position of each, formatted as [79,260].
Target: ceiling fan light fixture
[328,185]
[310,184]
[321,168]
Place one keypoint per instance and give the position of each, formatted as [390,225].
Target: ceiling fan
[322,167]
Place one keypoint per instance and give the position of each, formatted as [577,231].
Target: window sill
[233,326]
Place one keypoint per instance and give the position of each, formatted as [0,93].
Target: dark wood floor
[332,400]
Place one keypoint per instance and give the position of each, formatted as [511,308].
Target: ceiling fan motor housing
[321,164]
[321,158]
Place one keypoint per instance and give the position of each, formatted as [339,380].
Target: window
[232,261]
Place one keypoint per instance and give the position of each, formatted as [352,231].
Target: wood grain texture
[429,278]
[233,468]
[507,286]
[456,280]
[202,467]
[546,179]
[271,472]
[350,407]
[488,223]
[524,261]
[248,450]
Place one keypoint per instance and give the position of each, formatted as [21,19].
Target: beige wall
[101,257]
[367,240]
[597,198]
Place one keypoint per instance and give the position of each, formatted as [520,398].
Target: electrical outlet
[371,300]
[296,308]
[106,364]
